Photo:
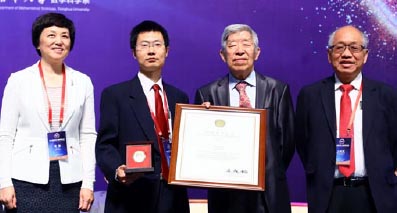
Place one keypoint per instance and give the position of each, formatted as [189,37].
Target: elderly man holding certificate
[246,88]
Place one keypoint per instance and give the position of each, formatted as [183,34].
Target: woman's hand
[86,199]
[7,197]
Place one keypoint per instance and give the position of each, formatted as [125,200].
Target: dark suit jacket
[315,139]
[275,97]
[125,117]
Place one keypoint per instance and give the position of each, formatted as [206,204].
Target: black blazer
[315,139]
[125,117]
[275,97]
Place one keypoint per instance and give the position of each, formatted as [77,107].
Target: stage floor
[196,205]
[200,206]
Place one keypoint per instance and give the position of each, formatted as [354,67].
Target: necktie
[345,114]
[160,116]
[244,100]
[163,128]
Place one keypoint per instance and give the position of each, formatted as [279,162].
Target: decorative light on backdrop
[377,18]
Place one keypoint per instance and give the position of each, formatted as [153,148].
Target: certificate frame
[186,153]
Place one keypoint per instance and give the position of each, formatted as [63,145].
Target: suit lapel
[368,106]
[39,100]
[222,92]
[328,103]
[139,105]
[262,90]
[171,99]
[70,98]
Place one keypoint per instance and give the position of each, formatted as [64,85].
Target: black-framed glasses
[340,48]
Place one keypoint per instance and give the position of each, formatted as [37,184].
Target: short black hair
[147,26]
[49,20]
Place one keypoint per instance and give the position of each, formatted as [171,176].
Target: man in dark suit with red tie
[139,110]
[244,87]
[346,134]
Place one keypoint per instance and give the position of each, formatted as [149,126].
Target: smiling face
[347,65]
[54,44]
[150,52]
[240,53]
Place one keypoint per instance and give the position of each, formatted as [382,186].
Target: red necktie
[345,115]
[163,128]
[244,100]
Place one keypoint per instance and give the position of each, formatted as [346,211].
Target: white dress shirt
[250,89]
[147,86]
[360,170]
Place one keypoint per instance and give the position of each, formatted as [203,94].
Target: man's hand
[207,104]
[125,179]
[86,200]
[7,197]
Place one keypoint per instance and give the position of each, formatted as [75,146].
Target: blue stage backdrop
[293,35]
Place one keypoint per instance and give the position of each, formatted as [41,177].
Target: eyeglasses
[146,45]
[340,48]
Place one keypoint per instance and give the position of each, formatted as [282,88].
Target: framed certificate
[219,147]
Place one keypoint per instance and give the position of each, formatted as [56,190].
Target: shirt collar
[356,82]
[147,83]
[251,79]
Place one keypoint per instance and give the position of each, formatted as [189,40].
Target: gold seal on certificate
[139,157]
[220,123]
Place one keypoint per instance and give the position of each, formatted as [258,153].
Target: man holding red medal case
[129,115]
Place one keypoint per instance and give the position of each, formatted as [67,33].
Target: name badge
[57,145]
[167,149]
[343,151]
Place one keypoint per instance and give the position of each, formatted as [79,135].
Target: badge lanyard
[156,124]
[48,99]
[349,126]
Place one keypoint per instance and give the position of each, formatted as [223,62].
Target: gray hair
[363,35]
[234,28]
